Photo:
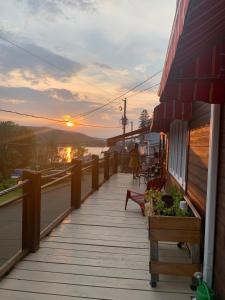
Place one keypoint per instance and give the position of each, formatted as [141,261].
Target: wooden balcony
[98,252]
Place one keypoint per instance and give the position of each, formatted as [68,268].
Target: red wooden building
[192,114]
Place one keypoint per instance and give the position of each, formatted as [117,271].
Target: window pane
[177,150]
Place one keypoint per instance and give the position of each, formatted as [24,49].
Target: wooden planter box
[174,229]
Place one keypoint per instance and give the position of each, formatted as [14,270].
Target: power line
[56,120]
[118,97]
[102,111]
[142,91]
[147,89]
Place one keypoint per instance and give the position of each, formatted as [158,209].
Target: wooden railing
[34,186]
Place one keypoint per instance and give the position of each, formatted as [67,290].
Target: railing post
[123,161]
[31,211]
[115,162]
[106,166]
[119,162]
[76,183]
[95,172]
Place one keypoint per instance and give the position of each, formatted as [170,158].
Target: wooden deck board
[97,252]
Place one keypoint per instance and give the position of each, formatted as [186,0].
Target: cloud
[58,7]
[103,66]
[63,95]
[33,95]
[81,4]
[106,117]
[12,101]
[118,44]
[34,62]
[141,68]
[50,101]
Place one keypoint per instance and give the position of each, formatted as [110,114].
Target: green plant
[6,183]
[153,195]
[169,203]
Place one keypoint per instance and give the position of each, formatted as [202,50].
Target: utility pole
[124,123]
[124,119]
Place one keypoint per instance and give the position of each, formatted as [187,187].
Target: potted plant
[172,218]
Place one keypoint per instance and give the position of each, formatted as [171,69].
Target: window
[178,151]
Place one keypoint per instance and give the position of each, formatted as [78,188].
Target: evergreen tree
[144,119]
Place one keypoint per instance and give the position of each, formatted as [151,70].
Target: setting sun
[69,124]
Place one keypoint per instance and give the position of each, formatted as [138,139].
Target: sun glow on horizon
[69,124]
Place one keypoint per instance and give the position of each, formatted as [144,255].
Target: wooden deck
[98,252]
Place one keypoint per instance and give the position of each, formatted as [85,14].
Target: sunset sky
[79,55]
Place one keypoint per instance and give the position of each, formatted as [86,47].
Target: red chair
[155,184]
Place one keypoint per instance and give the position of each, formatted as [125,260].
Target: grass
[10,196]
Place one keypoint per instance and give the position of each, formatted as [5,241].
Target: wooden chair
[155,184]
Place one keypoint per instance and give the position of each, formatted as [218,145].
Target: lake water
[66,153]
[97,150]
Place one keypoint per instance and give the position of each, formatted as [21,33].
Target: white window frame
[178,151]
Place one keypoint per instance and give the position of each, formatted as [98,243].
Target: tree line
[16,147]
[20,148]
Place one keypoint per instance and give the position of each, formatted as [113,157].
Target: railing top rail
[88,163]
[55,181]
[57,173]
[46,170]
[87,168]
[13,188]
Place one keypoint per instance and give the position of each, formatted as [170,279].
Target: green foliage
[79,151]
[153,195]
[144,120]
[161,207]
[11,195]
[6,183]
[16,147]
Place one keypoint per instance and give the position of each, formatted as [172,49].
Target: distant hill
[62,137]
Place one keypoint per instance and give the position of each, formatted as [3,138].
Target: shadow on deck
[98,252]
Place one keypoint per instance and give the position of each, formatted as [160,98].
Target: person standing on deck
[134,162]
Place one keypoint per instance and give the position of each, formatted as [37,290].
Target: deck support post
[31,211]
[153,257]
[106,166]
[95,172]
[76,184]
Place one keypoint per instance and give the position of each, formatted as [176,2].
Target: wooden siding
[219,270]
[197,170]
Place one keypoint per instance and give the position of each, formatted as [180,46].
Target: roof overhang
[195,64]
[176,33]
[167,112]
